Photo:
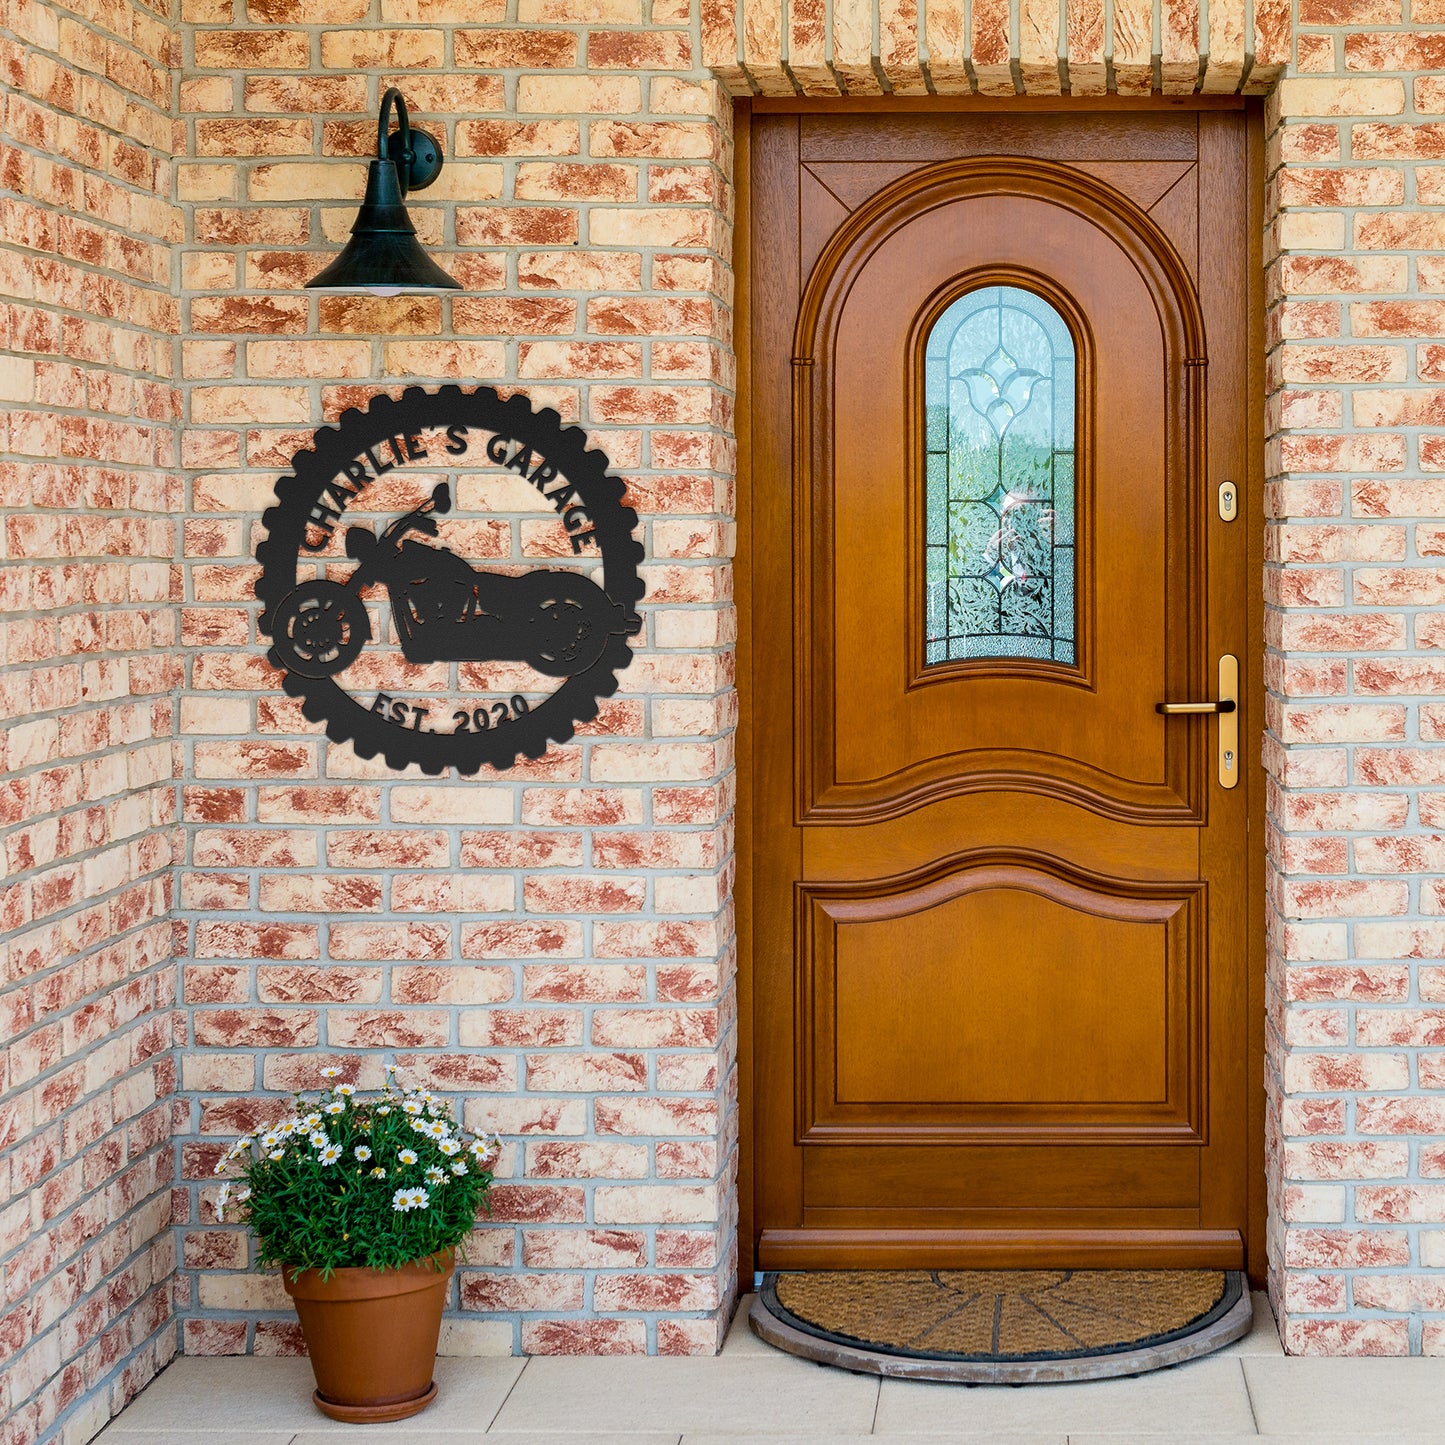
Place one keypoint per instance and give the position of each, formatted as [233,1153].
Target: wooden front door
[999,372]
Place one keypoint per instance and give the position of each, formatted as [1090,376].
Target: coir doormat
[1002,1326]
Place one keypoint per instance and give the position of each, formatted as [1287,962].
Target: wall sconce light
[383,255]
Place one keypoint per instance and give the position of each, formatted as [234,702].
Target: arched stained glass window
[999,392]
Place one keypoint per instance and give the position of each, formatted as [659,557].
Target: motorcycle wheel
[318,629]
[573,643]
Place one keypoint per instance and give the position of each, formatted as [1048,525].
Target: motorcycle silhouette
[445,610]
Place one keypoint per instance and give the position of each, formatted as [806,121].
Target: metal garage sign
[476,662]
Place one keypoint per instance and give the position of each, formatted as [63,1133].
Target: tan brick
[1399,230]
[1398,142]
[252,50]
[444,12]
[308,95]
[633,50]
[517,226]
[392,49]
[274,404]
[1340,186]
[1395,50]
[1304,275]
[1343,363]
[473,360]
[322,359]
[271,137]
[578,95]
[207,183]
[1419,407]
[515,49]
[516,137]
[538,181]
[1347,97]
[669,140]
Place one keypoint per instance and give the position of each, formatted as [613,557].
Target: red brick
[584,1337]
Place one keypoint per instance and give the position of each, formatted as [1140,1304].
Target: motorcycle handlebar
[417,519]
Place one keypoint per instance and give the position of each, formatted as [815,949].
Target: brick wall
[552,945]
[89,496]
[1354,582]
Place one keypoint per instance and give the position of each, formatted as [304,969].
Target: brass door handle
[1173,709]
[1226,707]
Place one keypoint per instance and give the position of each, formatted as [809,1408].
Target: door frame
[1252,515]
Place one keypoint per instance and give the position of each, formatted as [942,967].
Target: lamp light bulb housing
[383,256]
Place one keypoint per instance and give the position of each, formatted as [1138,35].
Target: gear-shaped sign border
[479,410]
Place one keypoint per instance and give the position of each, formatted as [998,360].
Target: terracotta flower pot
[372,1336]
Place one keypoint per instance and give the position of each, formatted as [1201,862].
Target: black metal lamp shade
[383,255]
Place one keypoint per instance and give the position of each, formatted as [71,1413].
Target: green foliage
[349,1180]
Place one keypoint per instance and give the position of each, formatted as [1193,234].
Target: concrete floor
[1242,1393]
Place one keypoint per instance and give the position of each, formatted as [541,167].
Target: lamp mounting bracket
[417,157]
[425,162]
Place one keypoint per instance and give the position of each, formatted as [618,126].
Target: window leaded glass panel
[999,442]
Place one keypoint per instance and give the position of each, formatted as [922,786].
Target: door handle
[1227,709]
[1174,709]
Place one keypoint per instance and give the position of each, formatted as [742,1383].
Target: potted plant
[362,1202]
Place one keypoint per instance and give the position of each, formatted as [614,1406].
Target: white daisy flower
[289,1127]
[419,1125]
[392,1068]
[270,1140]
[362,1152]
[378,1172]
[311,1120]
[331,1154]
[412,1106]
[331,1073]
[385,1109]
[407,1199]
[345,1090]
[449,1147]
[277,1154]
[486,1148]
[335,1107]
[319,1139]
[435,1176]
[459,1167]
[437,1129]
[407,1156]
[220,1166]
[242,1195]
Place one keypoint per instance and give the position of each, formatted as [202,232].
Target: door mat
[999,1326]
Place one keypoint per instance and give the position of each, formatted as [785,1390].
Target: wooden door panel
[983,1001]
[881,734]
[1176,213]
[1095,137]
[985,1179]
[1004,998]
[1033,822]
[998,903]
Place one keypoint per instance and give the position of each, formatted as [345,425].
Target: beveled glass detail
[999,397]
